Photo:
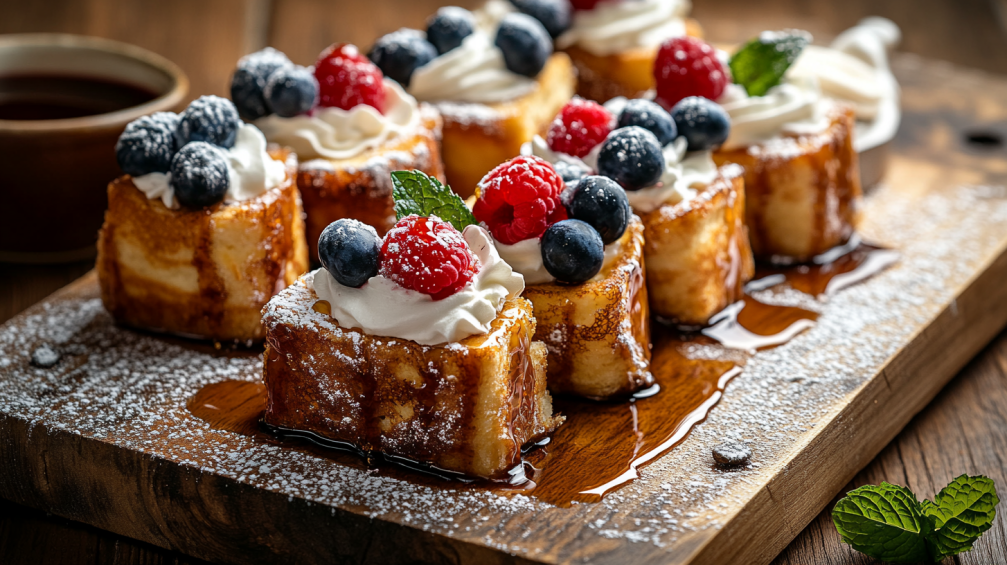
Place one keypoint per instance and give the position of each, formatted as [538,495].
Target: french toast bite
[352,129]
[582,259]
[491,74]
[198,250]
[466,406]
[415,345]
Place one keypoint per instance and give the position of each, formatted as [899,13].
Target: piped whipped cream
[334,133]
[616,26]
[854,70]
[525,257]
[793,106]
[382,307]
[250,171]
[474,71]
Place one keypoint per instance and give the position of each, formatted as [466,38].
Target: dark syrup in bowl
[57,97]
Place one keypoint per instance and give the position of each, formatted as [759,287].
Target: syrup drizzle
[602,445]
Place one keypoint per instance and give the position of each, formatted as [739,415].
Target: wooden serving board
[106,436]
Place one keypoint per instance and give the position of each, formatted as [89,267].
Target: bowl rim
[166,101]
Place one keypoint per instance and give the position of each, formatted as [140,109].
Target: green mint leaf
[884,522]
[416,193]
[762,62]
[960,513]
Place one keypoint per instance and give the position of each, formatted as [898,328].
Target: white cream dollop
[794,106]
[474,71]
[525,257]
[250,171]
[334,133]
[382,307]
[616,26]
[854,70]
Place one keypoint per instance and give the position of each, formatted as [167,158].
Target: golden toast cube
[802,192]
[629,73]
[697,252]
[598,332]
[465,407]
[200,273]
[360,188]
[478,137]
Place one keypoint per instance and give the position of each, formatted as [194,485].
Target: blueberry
[526,45]
[249,81]
[554,15]
[199,175]
[651,117]
[348,249]
[703,122]
[632,157]
[602,204]
[449,26]
[572,251]
[147,144]
[211,119]
[400,53]
[569,172]
[291,91]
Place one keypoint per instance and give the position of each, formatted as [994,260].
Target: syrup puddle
[602,445]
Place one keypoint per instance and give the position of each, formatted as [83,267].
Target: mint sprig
[762,62]
[887,522]
[416,193]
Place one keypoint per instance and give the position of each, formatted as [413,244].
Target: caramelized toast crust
[697,252]
[598,333]
[466,407]
[802,192]
[478,137]
[360,188]
[201,273]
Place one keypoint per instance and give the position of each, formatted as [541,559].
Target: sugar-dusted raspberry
[428,255]
[346,78]
[584,4]
[519,199]
[687,66]
[579,127]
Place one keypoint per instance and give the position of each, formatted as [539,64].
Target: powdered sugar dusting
[129,388]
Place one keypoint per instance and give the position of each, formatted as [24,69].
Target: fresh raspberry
[427,255]
[687,66]
[519,199]
[346,79]
[584,4]
[580,125]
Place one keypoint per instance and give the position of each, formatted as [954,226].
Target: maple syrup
[602,445]
[56,97]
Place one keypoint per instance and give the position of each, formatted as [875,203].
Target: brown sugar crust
[478,137]
[697,251]
[802,192]
[466,407]
[598,333]
[629,74]
[361,188]
[201,273]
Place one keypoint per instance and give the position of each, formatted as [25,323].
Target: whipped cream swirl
[525,257]
[794,106]
[334,133]
[855,70]
[250,171]
[382,307]
[616,26]
[474,71]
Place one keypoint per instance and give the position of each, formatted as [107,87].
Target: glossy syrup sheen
[55,97]
[602,444]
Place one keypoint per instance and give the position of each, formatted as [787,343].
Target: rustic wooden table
[963,430]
